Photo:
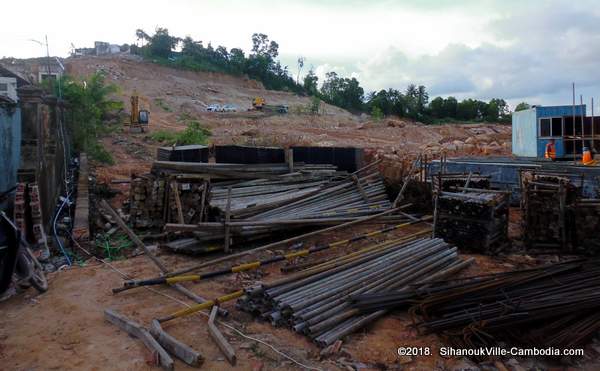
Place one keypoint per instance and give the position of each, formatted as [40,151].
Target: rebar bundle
[554,305]
[315,301]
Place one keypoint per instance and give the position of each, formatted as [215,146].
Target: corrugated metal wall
[524,133]
[10,146]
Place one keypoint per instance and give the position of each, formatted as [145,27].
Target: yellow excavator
[260,104]
[139,119]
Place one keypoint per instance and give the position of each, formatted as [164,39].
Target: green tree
[522,106]
[377,113]
[315,105]
[310,82]
[437,108]
[161,44]
[450,107]
[90,104]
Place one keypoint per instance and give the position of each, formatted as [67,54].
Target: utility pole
[593,124]
[582,123]
[574,151]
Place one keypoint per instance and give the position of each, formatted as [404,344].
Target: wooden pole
[406,180]
[175,187]
[283,242]
[132,235]
[227,218]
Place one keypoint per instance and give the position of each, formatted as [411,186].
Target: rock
[470,140]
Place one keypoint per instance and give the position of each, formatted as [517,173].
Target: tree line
[262,64]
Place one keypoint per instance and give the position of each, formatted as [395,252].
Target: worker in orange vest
[587,158]
[550,150]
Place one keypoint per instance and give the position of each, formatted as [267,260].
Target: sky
[513,49]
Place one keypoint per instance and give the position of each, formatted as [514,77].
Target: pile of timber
[231,203]
[315,302]
[254,209]
[547,204]
[475,220]
[236,171]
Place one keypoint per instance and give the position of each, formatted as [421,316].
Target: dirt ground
[64,328]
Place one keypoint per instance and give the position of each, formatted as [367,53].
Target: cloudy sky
[513,49]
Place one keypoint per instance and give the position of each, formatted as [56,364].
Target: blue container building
[571,130]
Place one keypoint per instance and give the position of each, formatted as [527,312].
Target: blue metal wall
[524,133]
[10,146]
[559,111]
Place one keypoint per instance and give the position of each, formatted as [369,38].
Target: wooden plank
[174,346]
[284,242]
[218,337]
[136,330]
[175,187]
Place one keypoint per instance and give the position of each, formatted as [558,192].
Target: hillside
[174,96]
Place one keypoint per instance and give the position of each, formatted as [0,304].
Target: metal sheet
[10,146]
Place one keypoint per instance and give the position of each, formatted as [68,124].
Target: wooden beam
[136,330]
[174,346]
[218,337]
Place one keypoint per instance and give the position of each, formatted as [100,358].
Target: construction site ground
[65,329]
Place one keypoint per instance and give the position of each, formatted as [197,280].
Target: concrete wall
[10,145]
[524,133]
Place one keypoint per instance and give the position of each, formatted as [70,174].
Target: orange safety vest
[550,151]
[587,157]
